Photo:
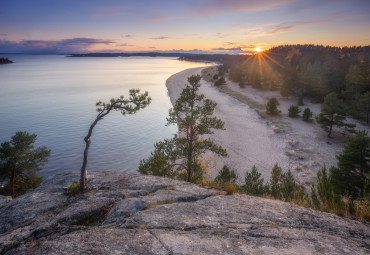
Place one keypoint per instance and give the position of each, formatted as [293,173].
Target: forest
[310,71]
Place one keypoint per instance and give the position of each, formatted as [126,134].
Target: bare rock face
[137,214]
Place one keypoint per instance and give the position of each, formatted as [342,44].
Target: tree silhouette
[131,105]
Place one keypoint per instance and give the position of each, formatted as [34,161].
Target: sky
[201,26]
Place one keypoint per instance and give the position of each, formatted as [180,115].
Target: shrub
[300,198]
[315,199]
[271,106]
[211,184]
[74,187]
[307,115]
[293,111]
[226,176]
[230,188]
[362,209]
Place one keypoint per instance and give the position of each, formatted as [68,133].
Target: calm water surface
[55,96]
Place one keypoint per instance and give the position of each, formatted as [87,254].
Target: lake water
[54,97]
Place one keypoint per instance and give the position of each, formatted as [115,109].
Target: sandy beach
[252,138]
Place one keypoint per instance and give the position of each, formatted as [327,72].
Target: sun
[258,49]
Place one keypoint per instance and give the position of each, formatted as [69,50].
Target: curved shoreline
[245,148]
[254,139]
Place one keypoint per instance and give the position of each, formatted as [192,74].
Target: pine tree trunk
[83,168]
[331,125]
[86,152]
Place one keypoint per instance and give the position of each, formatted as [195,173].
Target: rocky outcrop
[137,214]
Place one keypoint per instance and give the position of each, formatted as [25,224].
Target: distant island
[5,61]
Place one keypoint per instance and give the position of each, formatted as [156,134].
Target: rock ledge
[137,214]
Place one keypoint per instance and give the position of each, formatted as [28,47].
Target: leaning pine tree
[131,105]
[193,114]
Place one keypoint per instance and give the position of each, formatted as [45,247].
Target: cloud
[216,7]
[219,35]
[1,34]
[127,36]
[230,43]
[281,29]
[125,45]
[160,38]
[228,49]
[233,50]
[73,45]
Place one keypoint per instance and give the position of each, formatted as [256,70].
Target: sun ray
[272,60]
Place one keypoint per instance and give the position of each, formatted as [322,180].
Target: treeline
[310,71]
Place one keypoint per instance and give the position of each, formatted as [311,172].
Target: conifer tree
[19,162]
[307,115]
[275,181]
[226,176]
[333,114]
[352,172]
[253,183]
[293,111]
[131,105]
[288,186]
[271,106]
[193,114]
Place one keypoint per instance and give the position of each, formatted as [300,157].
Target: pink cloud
[72,45]
[125,45]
